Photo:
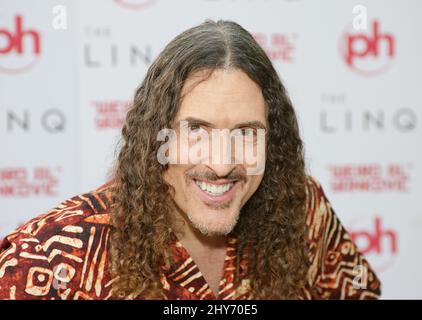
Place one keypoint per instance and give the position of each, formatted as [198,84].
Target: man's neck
[192,237]
[208,252]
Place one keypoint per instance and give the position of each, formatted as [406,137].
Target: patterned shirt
[64,254]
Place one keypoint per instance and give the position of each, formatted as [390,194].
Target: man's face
[211,193]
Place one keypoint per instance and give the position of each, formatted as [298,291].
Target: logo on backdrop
[22,182]
[20,46]
[378,178]
[51,121]
[110,114]
[135,4]
[280,46]
[339,115]
[338,120]
[368,52]
[377,242]
[102,50]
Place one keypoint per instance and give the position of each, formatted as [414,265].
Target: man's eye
[248,132]
[195,128]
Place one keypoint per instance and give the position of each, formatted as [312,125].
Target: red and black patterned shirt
[64,254]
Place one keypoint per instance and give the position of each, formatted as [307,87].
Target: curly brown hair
[271,228]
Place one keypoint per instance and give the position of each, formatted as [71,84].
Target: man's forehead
[221,84]
[228,98]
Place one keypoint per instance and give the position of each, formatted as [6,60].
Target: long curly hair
[271,228]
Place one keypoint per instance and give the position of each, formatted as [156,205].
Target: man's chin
[213,227]
[213,232]
[210,231]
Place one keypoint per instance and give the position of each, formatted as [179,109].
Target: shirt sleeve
[25,272]
[338,270]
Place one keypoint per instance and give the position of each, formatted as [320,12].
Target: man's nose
[220,169]
[221,157]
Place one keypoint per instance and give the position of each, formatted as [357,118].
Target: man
[196,229]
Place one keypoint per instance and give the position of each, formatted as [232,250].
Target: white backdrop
[68,69]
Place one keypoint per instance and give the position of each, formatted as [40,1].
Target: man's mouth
[214,189]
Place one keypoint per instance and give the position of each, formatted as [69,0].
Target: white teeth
[213,189]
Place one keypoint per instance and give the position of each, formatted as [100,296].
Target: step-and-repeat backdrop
[68,70]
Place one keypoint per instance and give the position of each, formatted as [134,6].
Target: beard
[214,226]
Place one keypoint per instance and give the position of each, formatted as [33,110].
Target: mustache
[212,176]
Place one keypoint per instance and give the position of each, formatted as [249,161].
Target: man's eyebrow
[192,120]
[197,121]
[256,124]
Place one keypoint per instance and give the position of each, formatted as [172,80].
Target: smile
[214,189]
